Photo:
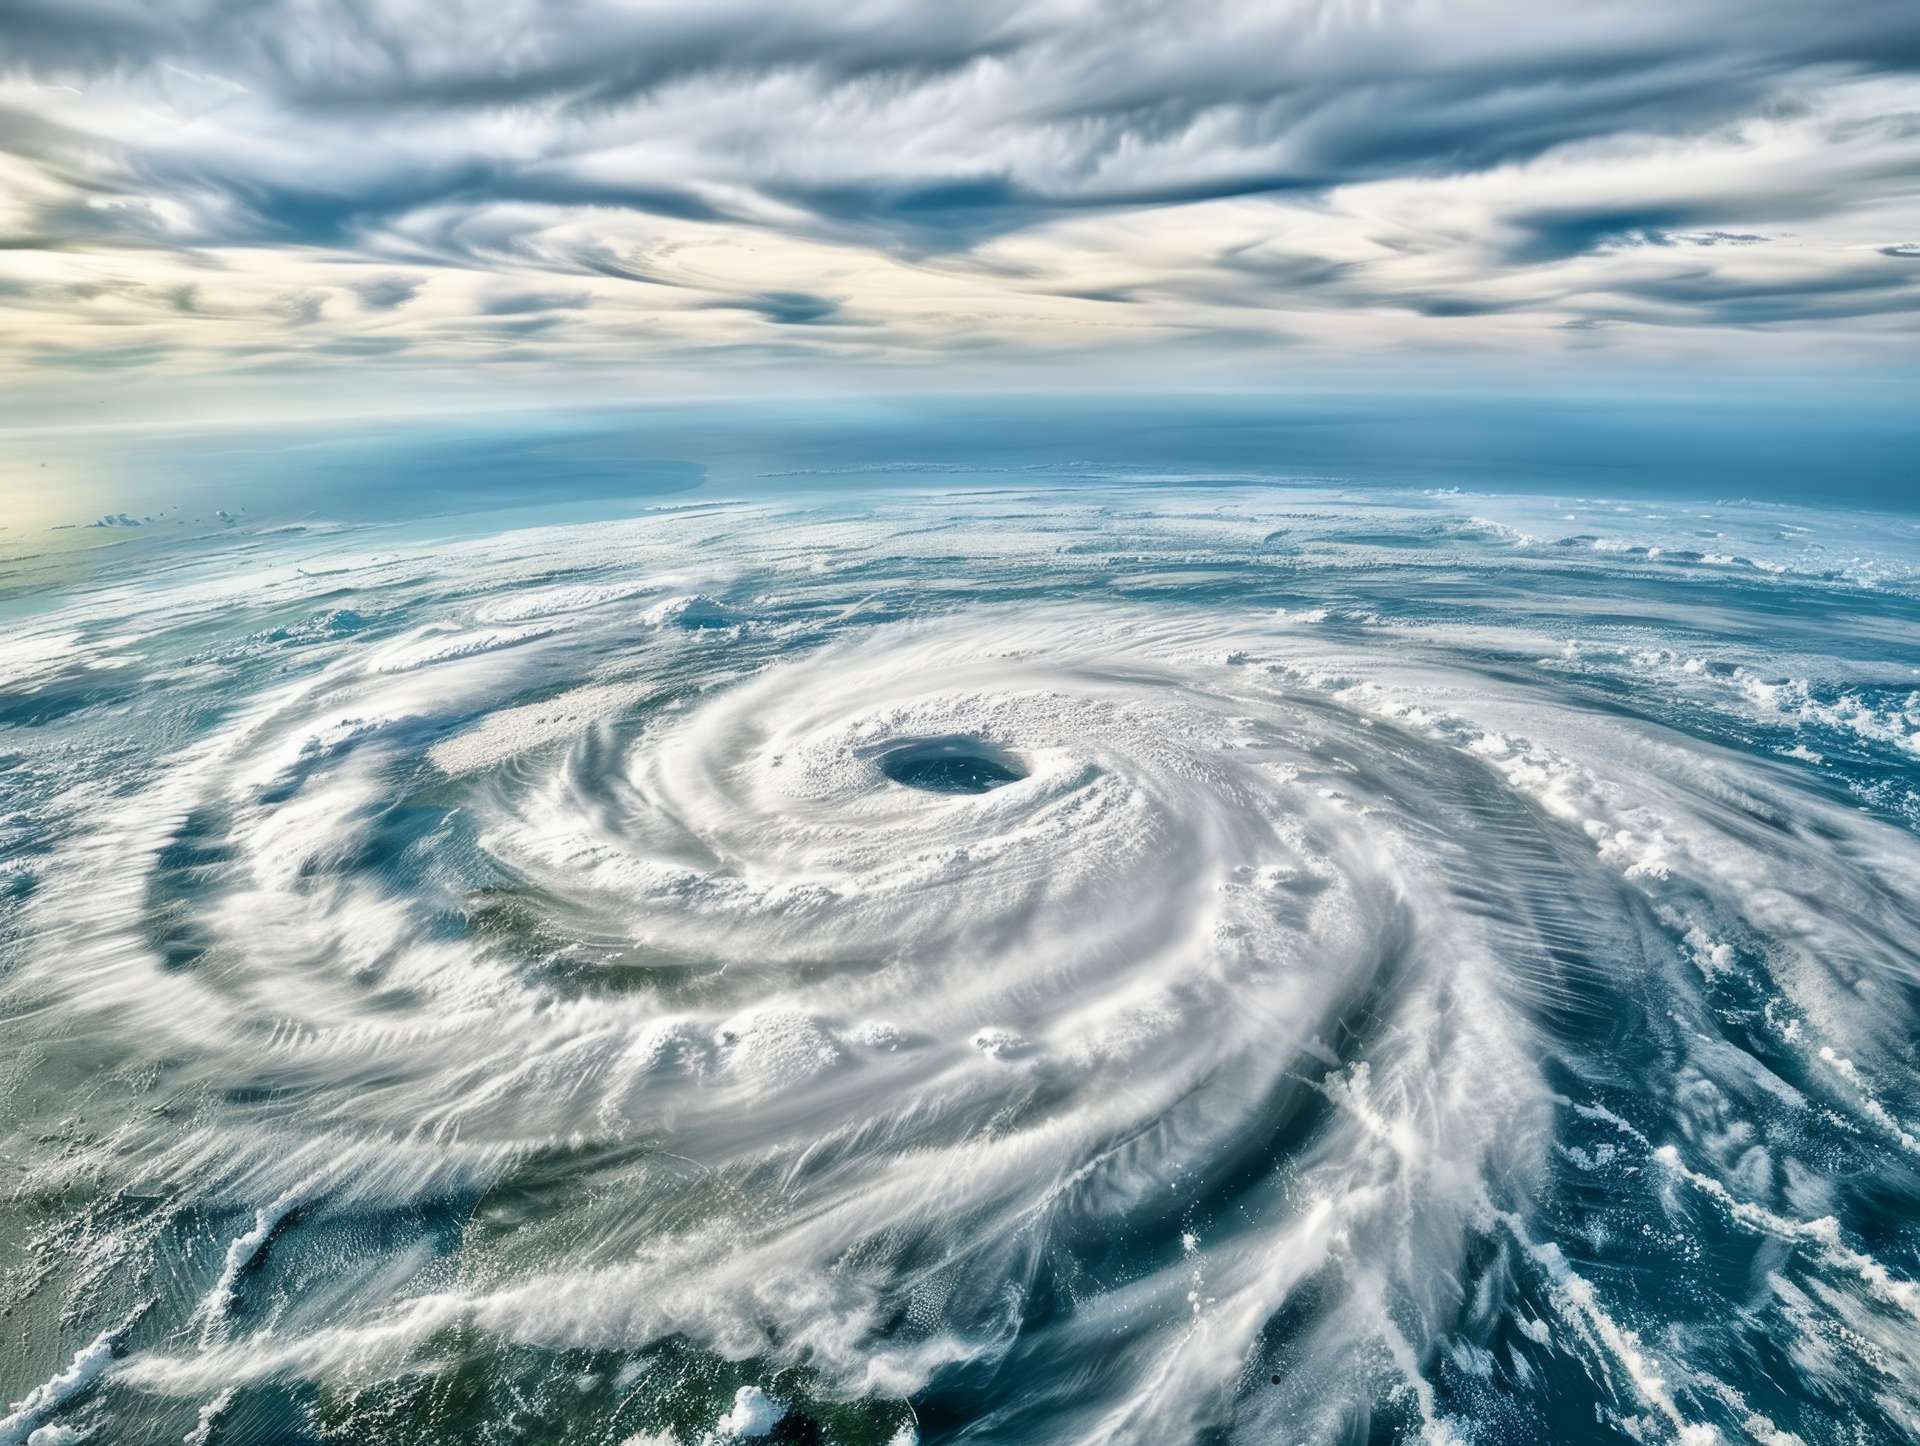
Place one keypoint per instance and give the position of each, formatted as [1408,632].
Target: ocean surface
[547,934]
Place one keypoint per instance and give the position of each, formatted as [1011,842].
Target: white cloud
[725,189]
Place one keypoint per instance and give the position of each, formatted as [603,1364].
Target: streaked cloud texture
[404,196]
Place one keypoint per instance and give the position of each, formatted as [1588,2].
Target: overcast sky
[284,202]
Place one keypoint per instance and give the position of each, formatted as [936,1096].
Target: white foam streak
[48,1398]
[1823,1233]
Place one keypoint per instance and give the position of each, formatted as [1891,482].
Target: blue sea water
[869,924]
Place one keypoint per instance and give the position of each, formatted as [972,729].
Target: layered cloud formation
[608,189]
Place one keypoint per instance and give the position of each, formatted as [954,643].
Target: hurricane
[1149,960]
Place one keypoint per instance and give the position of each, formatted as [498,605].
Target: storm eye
[950,765]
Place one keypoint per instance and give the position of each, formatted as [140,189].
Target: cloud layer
[583,188]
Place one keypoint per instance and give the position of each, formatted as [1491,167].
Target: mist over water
[1018,957]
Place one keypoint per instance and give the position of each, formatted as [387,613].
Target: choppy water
[1142,963]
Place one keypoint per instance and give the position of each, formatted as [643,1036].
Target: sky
[252,207]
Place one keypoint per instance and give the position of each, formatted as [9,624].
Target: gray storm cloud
[909,182]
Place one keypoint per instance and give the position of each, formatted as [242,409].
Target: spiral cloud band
[1118,965]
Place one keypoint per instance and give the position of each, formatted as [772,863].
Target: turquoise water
[581,934]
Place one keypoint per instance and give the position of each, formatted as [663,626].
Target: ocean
[869,924]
